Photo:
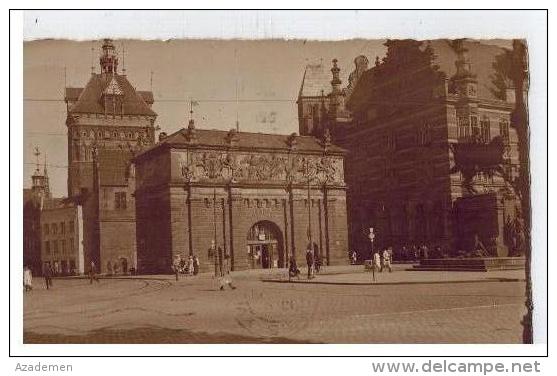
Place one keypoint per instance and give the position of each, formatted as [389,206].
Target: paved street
[337,307]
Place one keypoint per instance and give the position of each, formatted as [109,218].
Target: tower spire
[92,58]
[108,59]
[46,180]
[37,153]
[123,59]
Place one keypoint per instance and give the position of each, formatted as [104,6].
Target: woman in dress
[27,278]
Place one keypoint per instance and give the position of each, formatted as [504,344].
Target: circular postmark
[270,314]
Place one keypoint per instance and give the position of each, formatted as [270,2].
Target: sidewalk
[355,275]
[347,275]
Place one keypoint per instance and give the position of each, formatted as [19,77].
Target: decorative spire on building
[108,59]
[39,181]
[37,153]
[46,179]
[465,83]
[336,92]
[123,59]
[190,133]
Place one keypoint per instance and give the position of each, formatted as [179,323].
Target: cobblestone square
[338,306]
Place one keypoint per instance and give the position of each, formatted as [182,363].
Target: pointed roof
[91,98]
[315,81]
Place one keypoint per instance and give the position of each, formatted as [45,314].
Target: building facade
[408,115]
[259,197]
[108,121]
[62,236]
[52,229]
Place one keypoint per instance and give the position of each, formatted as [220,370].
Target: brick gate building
[253,194]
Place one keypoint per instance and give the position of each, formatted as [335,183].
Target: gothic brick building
[52,229]
[108,121]
[252,194]
[406,116]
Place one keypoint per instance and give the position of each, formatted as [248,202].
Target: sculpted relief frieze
[240,168]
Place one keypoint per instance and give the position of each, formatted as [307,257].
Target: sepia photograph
[276,190]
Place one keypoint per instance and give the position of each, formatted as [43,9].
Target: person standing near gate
[309,261]
[27,278]
[195,265]
[47,273]
[387,257]
[376,264]
[176,266]
[93,273]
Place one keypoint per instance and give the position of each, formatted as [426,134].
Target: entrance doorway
[264,243]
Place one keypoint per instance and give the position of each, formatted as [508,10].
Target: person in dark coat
[47,273]
[93,273]
[309,261]
[293,270]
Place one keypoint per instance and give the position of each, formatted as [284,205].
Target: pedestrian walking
[309,261]
[317,263]
[176,266]
[47,273]
[354,257]
[93,273]
[27,278]
[195,265]
[190,265]
[293,270]
[376,264]
[226,280]
[387,258]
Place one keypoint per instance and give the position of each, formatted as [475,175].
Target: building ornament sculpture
[235,167]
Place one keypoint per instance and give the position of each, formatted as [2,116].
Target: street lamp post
[215,250]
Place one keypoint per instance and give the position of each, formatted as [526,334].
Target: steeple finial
[37,153]
[108,59]
[92,58]
[123,59]
[191,122]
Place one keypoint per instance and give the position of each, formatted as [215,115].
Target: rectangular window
[63,246]
[47,247]
[46,228]
[485,131]
[72,225]
[54,229]
[55,246]
[463,127]
[120,200]
[474,126]
[504,130]
[71,246]
[62,228]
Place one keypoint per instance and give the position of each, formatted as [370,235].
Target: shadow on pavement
[149,335]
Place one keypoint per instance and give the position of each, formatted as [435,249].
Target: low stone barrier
[471,264]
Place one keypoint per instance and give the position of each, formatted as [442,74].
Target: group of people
[382,260]
[189,266]
[48,273]
[313,262]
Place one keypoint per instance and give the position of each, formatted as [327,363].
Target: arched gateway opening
[265,246]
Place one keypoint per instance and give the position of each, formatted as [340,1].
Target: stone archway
[265,246]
